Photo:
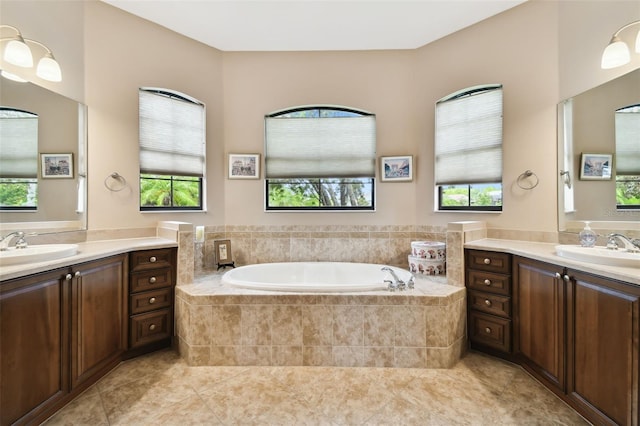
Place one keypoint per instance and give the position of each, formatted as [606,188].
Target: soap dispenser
[587,236]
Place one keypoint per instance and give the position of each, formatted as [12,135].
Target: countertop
[87,251]
[546,252]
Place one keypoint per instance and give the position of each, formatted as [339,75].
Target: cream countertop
[546,252]
[87,251]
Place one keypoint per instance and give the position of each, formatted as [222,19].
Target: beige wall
[541,51]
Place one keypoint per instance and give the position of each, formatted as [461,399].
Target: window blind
[18,144]
[172,133]
[627,122]
[329,147]
[468,139]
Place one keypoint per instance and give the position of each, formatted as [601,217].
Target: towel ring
[120,182]
[525,175]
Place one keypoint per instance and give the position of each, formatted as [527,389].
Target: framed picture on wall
[396,169]
[596,166]
[57,165]
[244,166]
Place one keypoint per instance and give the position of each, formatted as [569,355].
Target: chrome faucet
[6,240]
[398,284]
[631,245]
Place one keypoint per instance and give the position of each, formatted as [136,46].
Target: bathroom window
[172,150]
[19,162]
[627,125]
[468,149]
[320,158]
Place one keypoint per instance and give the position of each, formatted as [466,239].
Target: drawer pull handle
[487,330]
[68,277]
[153,259]
[487,282]
[558,275]
[152,280]
[487,261]
[487,302]
[152,327]
[152,300]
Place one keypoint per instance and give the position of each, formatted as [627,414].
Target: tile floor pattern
[161,389]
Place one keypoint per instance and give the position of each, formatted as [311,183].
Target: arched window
[19,162]
[468,149]
[320,158]
[627,164]
[172,150]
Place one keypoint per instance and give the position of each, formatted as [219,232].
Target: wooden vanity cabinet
[579,334]
[539,320]
[34,337]
[488,281]
[603,336]
[98,317]
[60,331]
[151,293]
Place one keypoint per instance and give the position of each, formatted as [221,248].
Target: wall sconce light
[17,52]
[616,53]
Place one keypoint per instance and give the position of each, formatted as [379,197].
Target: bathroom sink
[599,255]
[36,253]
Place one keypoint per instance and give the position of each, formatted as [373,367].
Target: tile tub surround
[420,328]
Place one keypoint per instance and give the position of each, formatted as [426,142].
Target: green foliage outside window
[628,191]
[456,197]
[161,192]
[323,193]
[18,193]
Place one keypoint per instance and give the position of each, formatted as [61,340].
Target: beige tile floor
[160,389]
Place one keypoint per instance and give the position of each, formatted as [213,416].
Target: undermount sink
[599,255]
[37,253]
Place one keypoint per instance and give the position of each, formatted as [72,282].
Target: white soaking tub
[313,277]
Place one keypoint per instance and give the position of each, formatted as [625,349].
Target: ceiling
[308,25]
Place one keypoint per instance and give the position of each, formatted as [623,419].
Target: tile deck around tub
[419,328]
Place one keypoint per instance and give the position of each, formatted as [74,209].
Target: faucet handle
[611,242]
[21,243]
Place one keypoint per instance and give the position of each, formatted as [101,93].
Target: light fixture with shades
[18,52]
[617,53]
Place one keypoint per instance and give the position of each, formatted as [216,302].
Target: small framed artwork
[57,165]
[396,169]
[244,166]
[222,250]
[596,166]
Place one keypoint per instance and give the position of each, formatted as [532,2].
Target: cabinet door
[540,318]
[603,349]
[33,342]
[98,317]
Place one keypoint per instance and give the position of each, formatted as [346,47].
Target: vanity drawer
[490,331]
[489,261]
[150,300]
[488,281]
[490,303]
[150,327]
[150,280]
[151,259]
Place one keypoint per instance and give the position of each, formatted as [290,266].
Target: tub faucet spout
[398,284]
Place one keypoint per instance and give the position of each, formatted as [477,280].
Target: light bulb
[49,69]
[18,53]
[13,77]
[616,54]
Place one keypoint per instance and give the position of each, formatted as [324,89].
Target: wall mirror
[60,191]
[587,125]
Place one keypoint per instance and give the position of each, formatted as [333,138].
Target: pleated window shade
[627,122]
[468,139]
[172,133]
[18,144]
[320,147]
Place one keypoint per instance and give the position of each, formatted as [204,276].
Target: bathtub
[314,277]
